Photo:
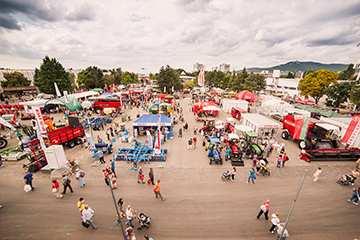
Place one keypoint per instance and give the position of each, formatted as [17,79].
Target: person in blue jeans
[130,216]
[356,196]
[180,132]
[227,154]
[279,161]
[252,176]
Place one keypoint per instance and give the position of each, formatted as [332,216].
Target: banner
[41,127]
[57,90]
[353,131]
[91,144]
[66,97]
[157,149]
[201,78]
[149,138]
[301,127]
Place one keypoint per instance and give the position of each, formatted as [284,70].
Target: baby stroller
[345,180]
[225,176]
[144,221]
[264,170]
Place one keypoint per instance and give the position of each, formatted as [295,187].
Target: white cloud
[150,34]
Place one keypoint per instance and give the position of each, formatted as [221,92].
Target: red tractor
[319,134]
[209,125]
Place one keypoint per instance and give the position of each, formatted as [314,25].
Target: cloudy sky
[153,33]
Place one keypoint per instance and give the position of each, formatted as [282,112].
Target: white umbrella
[233,136]
[211,108]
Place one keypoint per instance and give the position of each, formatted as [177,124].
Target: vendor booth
[264,127]
[275,106]
[150,122]
[206,108]
[227,104]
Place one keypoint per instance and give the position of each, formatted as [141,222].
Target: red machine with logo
[69,136]
[105,102]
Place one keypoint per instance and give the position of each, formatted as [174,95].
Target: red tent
[198,107]
[245,95]
[306,101]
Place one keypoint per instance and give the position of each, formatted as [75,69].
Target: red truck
[99,103]
[69,136]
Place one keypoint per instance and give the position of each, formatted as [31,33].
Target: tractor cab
[251,140]
[209,124]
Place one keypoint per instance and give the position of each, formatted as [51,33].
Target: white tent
[275,106]
[227,104]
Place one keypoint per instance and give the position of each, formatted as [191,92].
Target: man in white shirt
[87,214]
[317,174]
[130,216]
[279,231]
[275,221]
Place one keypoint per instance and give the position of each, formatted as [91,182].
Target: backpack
[82,174]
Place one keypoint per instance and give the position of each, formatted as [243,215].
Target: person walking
[101,156]
[66,182]
[195,130]
[108,134]
[190,142]
[157,190]
[28,178]
[55,188]
[264,208]
[80,177]
[147,237]
[112,164]
[140,176]
[194,142]
[251,176]
[87,214]
[130,235]
[284,159]
[81,205]
[111,131]
[274,221]
[130,215]
[233,172]
[317,174]
[105,174]
[180,132]
[355,195]
[279,231]
[279,160]
[227,153]
[151,177]
[121,205]
[254,160]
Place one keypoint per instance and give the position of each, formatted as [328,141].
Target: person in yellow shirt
[81,205]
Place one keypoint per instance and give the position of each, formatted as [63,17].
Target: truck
[319,134]
[70,136]
[99,103]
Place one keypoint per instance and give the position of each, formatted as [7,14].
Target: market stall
[227,104]
[150,122]
[275,106]
[264,127]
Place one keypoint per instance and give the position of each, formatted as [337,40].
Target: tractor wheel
[305,144]
[285,135]
[98,110]
[110,150]
[113,114]
[3,143]
[77,141]
[71,144]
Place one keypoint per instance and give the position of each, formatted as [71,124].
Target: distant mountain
[295,66]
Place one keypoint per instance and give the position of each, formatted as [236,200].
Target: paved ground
[198,205]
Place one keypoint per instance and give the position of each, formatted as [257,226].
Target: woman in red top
[55,188]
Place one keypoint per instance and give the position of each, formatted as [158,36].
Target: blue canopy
[214,140]
[152,121]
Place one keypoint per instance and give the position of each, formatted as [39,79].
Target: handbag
[27,188]
[254,177]
[54,190]
[142,177]
[85,224]
[154,191]
[149,181]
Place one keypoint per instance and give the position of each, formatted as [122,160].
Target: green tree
[15,79]
[91,77]
[316,83]
[168,78]
[52,71]
[348,73]
[254,82]
[339,92]
[214,78]
[238,80]
[72,80]
[126,78]
[290,75]
[355,93]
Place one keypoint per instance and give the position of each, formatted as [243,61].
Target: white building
[224,67]
[198,66]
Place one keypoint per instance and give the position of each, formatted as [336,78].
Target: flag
[301,127]
[149,138]
[353,131]
[201,78]
[157,149]
[91,145]
[57,90]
